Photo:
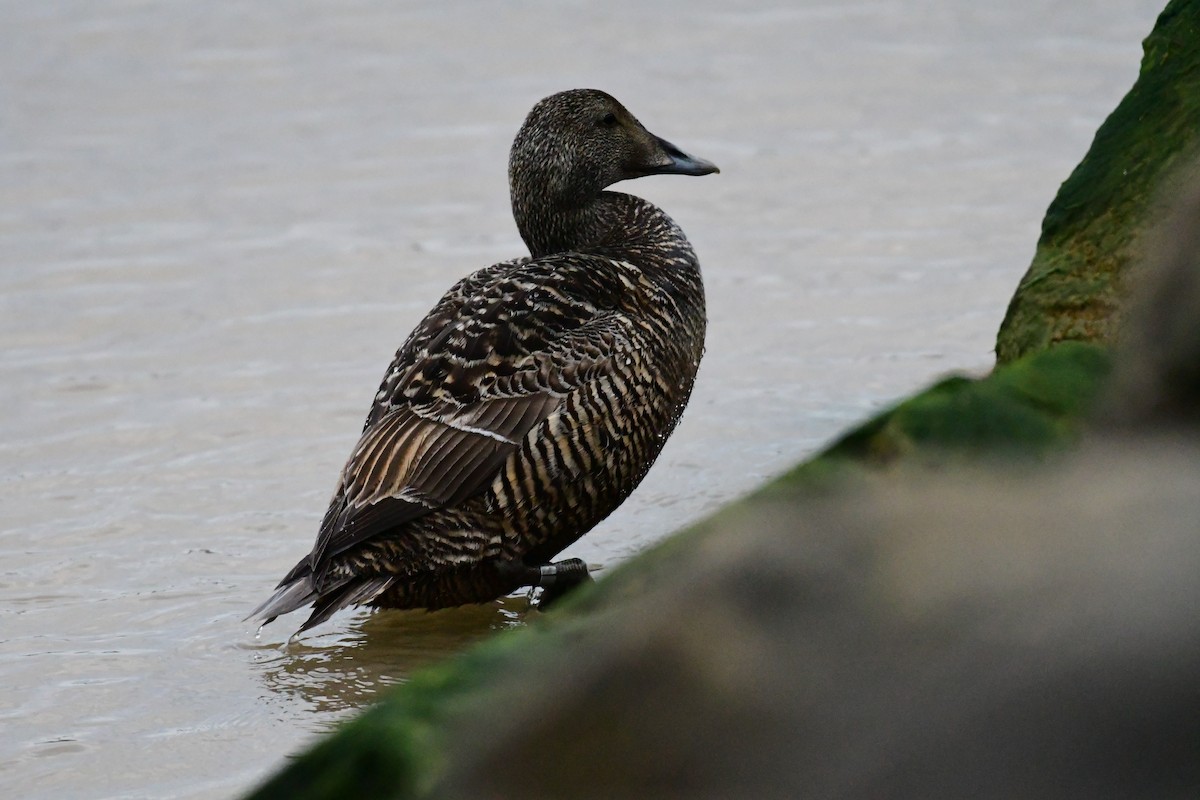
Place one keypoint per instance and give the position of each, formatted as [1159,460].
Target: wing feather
[462,394]
[407,464]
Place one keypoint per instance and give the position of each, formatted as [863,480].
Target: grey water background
[218,221]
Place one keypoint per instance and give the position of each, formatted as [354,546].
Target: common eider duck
[533,398]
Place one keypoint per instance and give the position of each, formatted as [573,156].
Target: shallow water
[218,222]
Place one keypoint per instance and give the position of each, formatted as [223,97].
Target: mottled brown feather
[408,464]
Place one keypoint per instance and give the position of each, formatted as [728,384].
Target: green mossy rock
[1028,407]
[1094,231]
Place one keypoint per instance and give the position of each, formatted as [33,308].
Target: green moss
[1027,408]
[1093,230]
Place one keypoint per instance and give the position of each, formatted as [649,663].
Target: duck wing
[470,384]
[410,463]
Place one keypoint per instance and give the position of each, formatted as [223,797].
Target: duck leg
[559,578]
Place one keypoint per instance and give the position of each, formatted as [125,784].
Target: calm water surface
[217,223]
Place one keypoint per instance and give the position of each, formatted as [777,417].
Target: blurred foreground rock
[1158,382]
[986,635]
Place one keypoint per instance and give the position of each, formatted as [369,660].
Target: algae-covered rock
[1029,407]
[1095,230]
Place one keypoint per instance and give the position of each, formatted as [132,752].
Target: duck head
[573,145]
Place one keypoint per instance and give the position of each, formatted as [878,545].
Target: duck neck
[549,228]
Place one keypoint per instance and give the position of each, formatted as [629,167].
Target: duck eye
[608,120]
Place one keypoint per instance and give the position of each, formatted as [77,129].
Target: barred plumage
[536,394]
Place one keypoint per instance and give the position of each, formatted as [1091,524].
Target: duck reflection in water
[348,668]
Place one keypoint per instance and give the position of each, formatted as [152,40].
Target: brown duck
[536,394]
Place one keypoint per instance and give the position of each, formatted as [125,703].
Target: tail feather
[354,592]
[288,597]
[296,591]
